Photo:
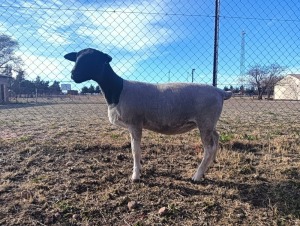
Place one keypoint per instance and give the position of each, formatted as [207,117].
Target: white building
[288,88]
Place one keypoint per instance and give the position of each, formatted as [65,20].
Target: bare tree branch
[8,46]
[264,78]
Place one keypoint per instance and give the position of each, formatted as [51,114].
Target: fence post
[36,95]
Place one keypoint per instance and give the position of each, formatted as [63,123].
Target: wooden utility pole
[216,42]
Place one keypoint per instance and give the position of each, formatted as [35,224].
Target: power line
[262,19]
[109,11]
[151,13]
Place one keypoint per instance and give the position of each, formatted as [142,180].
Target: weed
[25,138]
[66,208]
[114,136]
[39,179]
[226,137]
[249,137]
[247,169]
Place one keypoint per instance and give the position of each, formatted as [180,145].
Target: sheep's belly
[171,129]
[159,127]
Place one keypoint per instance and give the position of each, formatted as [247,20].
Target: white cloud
[49,68]
[132,28]
[53,38]
[46,20]
[45,29]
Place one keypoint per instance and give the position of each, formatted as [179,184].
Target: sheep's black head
[89,64]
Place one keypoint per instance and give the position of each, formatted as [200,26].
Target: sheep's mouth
[78,78]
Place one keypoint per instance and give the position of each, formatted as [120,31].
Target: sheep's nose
[74,73]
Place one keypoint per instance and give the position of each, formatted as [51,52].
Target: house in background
[288,88]
[4,82]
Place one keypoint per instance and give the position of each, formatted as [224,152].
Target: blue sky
[152,40]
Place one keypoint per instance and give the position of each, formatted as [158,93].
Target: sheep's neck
[111,85]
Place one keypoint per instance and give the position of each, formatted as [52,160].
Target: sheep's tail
[227,95]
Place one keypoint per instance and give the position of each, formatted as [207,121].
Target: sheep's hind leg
[209,140]
[136,136]
[216,145]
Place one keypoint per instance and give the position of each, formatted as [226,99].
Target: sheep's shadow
[178,188]
[284,196]
[243,147]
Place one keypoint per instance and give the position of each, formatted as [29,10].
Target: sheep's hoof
[196,178]
[201,181]
[135,180]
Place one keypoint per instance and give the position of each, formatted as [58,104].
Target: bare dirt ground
[62,163]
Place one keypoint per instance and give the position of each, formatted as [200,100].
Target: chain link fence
[151,41]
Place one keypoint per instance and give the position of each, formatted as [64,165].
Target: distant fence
[251,49]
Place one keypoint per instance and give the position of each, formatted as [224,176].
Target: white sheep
[171,108]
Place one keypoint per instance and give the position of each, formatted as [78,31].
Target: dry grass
[63,164]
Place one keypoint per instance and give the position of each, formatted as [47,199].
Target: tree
[91,89]
[84,90]
[27,87]
[226,88]
[20,86]
[264,78]
[55,88]
[8,46]
[242,89]
[97,89]
[250,91]
[274,76]
[16,83]
[7,70]
[41,86]
[236,90]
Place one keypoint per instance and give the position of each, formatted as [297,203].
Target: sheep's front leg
[136,136]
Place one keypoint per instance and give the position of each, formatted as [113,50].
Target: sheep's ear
[71,56]
[108,58]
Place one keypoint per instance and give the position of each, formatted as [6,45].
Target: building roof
[4,76]
[295,75]
[281,81]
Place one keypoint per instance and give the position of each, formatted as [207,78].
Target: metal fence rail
[153,41]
